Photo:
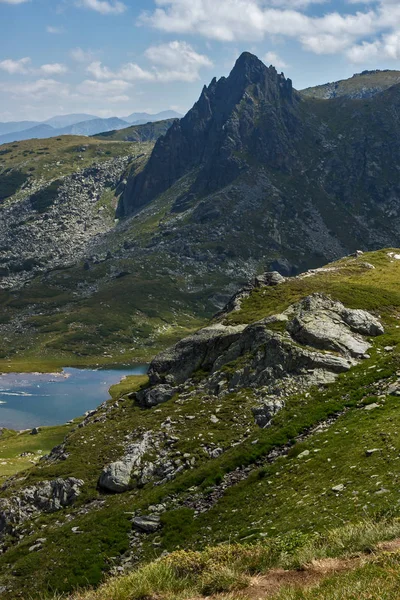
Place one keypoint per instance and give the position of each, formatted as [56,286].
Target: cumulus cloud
[37,90]
[22,67]
[388,48]
[104,7]
[253,20]
[177,61]
[81,56]
[272,58]
[174,61]
[53,69]
[15,66]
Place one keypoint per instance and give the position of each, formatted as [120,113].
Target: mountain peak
[250,112]
[250,68]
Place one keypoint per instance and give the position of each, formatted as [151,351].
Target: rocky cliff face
[253,110]
[257,161]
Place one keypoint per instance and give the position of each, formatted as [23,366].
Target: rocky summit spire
[250,112]
[248,66]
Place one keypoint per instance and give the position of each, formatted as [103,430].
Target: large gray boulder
[155,395]
[326,324]
[116,476]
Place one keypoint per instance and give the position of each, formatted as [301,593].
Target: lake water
[32,399]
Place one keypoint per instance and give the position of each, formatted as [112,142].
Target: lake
[32,399]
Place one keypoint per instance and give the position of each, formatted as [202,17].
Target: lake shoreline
[37,399]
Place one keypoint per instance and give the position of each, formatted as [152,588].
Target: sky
[115,57]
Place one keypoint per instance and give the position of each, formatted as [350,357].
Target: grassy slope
[293,493]
[382,80]
[51,158]
[125,320]
[230,567]
[14,444]
[138,133]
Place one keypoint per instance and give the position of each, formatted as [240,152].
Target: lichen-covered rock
[264,412]
[147,524]
[44,497]
[322,338]
[326,324]
[116,476]
[198,351]
[156,395]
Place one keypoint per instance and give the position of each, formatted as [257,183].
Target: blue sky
[113,57]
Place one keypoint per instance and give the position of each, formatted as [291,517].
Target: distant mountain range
[75,124]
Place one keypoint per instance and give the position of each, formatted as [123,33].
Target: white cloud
[129,71]
[53,69]
[13,1]
[22,67]
[37,90]
[387,48]
[272,58]
[54,30]
[113,88]
[179,61]
[15,66]
[81,56]
[105,7]
[253,20]
[174,61]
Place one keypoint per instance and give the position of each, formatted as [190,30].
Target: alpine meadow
[199,309]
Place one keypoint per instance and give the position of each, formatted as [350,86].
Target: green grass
[49,159]
[229,567]
[148,132]
[14,444]
[292,494]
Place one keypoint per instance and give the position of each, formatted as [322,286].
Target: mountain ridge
[361,85]
[254,177]
[76,124]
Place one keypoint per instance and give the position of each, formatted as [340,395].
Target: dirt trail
[266,586]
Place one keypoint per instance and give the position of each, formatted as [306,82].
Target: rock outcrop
[30,502]
[316,339]
[116,477]
[36,241]
[220,126]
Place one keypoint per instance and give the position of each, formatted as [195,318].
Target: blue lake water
[33,399]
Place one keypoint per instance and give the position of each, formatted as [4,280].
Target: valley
[247,254]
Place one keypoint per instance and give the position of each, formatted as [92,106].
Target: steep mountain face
[221,126]
[255,176]
[278,169]
[361,85]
